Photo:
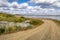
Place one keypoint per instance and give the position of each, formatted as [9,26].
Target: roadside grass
[36,22]
[13,29]
[56,21]
[17,19]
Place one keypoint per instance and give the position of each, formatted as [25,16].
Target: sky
[34,7]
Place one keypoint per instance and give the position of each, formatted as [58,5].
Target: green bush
[22,17]
[36,22]
[21,20]
[2,30]
[30,26]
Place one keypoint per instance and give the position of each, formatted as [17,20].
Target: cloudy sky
[38,7]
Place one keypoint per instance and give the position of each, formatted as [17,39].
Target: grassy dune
[17,19]
[11,18]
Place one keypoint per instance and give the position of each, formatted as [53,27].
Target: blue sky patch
[19,1]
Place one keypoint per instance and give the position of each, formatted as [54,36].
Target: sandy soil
[47,31]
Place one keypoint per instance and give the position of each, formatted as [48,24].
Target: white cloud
[43,1]
[47,3]
[56,4]
[14,5]
[24,8]
[23,5]
[4,3]
[36,10]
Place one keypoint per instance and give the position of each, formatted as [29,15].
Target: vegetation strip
[12,23]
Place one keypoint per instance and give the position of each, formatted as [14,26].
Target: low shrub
[36,22]
[12,29]
[18,28]
[2,30]
[29,27]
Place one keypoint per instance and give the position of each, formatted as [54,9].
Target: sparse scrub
[29,27]
[4,30]
[18,28]
[36,22]
[12,29]
[13,19]
[57,22]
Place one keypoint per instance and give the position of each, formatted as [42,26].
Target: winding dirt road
[47,31]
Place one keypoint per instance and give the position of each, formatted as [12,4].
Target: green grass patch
[36,22]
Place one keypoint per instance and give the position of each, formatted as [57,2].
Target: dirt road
[47,31]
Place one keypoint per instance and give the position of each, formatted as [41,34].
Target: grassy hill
[11,18]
